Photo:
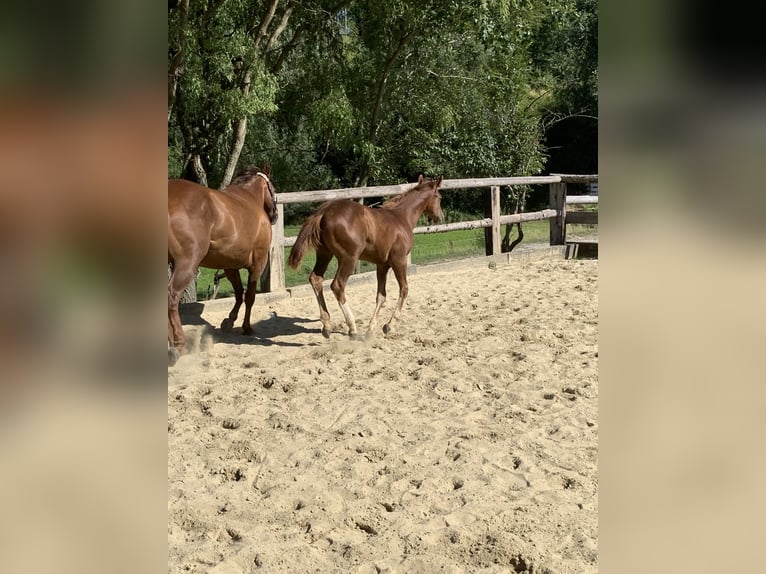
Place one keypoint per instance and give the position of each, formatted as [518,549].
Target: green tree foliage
[355,92]
[565,52]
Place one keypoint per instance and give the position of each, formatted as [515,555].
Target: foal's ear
[267,169]
[420,178]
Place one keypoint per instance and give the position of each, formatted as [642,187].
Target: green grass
[428,248]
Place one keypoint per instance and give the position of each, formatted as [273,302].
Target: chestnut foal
[350,231]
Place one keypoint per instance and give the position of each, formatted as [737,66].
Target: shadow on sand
[264,331]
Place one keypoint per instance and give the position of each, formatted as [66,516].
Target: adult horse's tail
[308,238]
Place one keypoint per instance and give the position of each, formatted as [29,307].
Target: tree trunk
[285,49]
[236,150]
[487,230]
[377,106]
[239,137]
[195,171]
[279,29]
[364,175]
[264,25]
[383,79]
[176,62]
[240,130]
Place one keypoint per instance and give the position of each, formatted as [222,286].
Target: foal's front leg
[381,297]
[338,287]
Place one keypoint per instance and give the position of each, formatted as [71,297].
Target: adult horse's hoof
[227,325]
[247,331]
[173,356]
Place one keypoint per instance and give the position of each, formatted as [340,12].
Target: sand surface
[463,441]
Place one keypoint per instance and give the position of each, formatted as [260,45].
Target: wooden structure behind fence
[274,276]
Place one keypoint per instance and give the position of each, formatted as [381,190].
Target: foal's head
[433,209]
[254,176]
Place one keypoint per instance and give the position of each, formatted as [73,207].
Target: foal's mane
[398,199]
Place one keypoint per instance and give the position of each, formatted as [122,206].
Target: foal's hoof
[326,332]
[173,356]
[226,325]
[356,336]
[386,328]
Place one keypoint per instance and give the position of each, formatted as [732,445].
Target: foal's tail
[308,238]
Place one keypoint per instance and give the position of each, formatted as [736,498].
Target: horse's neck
[412,208]
[257,193]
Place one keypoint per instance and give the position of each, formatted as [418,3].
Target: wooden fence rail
[273,278]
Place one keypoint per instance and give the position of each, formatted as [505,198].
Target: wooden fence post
[558,196]
[273,278]
[358,264]
[495,199]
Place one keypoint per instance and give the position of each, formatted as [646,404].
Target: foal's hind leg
[338,286]
[400,271]
[317,279]
[236,282]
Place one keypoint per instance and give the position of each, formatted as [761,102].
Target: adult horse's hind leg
[316,279]
[381,297]
[180,277]
[236,282]
[338,286]
[253,276]
[400,271]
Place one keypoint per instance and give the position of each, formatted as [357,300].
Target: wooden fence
[274,276]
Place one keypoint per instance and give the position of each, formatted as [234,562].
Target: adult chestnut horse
[228,229]
[350,231]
